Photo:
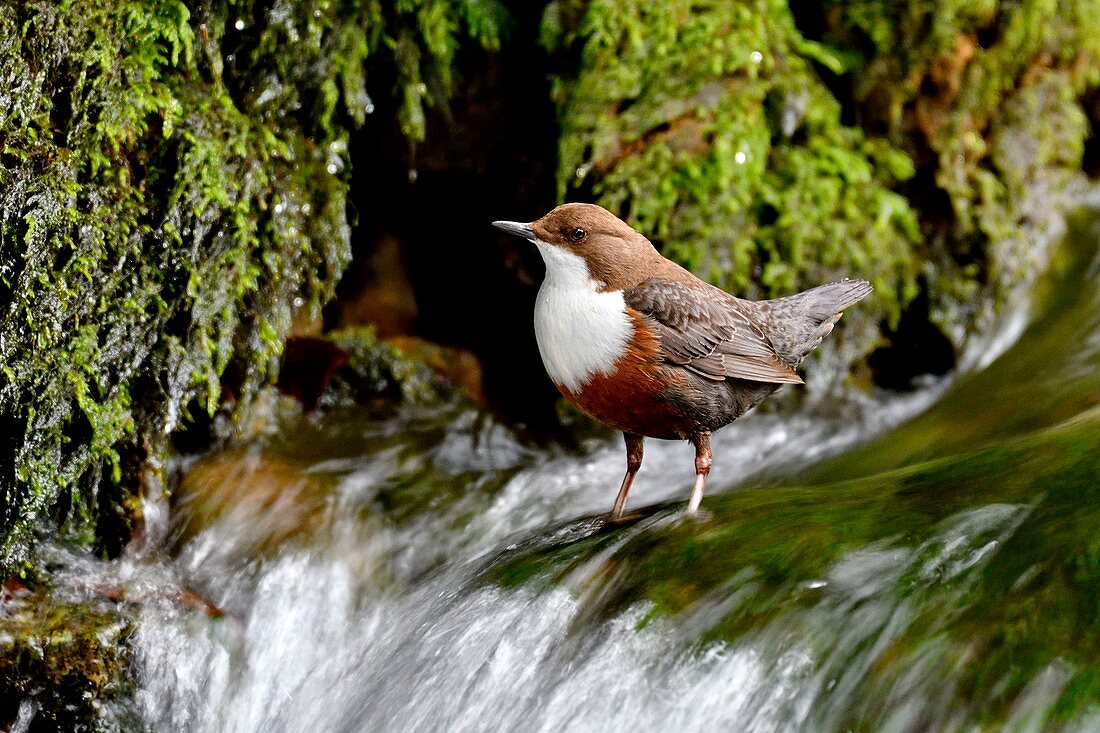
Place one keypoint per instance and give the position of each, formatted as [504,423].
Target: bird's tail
[826,301]
[809,316]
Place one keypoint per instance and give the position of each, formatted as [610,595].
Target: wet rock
[309,364]
[378,292]
[62,661]
[354,365]
[460,367]
[268,500]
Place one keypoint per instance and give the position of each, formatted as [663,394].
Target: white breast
[580,331]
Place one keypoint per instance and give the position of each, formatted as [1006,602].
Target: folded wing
[707,331]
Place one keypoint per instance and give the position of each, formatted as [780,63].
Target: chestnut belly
[665,400]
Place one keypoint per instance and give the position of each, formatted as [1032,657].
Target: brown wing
[706,331]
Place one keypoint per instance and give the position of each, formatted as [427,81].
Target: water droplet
[332,168]
[369,109]
[306,208]
[239,25]
[413,175]
[582,171]
[740,157]
[279,207]
[757,57]
[298,302]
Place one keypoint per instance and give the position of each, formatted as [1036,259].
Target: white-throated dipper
[640,344]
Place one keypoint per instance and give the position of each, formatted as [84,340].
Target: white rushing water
[377,625]
[321,646]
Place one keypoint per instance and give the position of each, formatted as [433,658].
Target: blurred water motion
[848,573]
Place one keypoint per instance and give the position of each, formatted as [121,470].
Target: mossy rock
[353,366]
[62,662]
[772,146]
[712,131]
[377,368]
[173,189]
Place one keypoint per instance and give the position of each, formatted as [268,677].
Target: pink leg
[702,468]
[634,445]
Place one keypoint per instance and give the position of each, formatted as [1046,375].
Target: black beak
[516,228]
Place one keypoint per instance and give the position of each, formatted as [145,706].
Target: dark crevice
[813,23]
[990,33]
[1090,161]
[490,156]
[916,348]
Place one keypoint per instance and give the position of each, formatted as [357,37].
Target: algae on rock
[62,660]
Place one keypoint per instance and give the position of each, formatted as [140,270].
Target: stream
[886,562]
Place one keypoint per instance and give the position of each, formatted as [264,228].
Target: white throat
[580,331]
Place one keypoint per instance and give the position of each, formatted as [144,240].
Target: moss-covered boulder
[991,100]
[173,188]
[770,146]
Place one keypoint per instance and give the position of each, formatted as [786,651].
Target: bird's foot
[699,516]
[624,518]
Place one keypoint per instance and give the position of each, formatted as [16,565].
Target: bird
[641,344]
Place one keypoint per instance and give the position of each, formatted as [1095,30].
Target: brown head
[615,255]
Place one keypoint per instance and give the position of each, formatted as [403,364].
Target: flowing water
[916,562]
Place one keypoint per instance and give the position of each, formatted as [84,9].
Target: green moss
[172,186]
[988,95]
[708,126]
[66,658]
[769,156]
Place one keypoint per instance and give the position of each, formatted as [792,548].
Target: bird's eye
[577,234]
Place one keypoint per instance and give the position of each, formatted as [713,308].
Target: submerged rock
[269,501]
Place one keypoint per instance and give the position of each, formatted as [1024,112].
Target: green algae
[173,185]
